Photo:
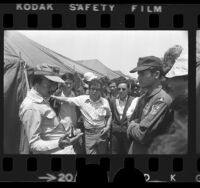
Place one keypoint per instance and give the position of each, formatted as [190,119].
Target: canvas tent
[95,64]
[124,75]
[18,50]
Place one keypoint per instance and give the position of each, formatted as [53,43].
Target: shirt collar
[124,99]
[35,96]
[155,91]
[91,101]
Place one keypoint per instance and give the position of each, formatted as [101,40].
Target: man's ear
[157,74]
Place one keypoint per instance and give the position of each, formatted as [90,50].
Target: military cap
[48,71]
[147,62]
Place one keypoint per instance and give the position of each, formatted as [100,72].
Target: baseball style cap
[147,62]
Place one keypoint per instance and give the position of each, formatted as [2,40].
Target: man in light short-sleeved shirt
[44,132]
[96,116]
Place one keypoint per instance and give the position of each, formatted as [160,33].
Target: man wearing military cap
[44,132]
[151,115]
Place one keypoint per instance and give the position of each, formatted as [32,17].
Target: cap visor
[138,69]
[55,79]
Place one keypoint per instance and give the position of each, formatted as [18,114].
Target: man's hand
[66,141]
[74,139]
[105,130]
[129,129]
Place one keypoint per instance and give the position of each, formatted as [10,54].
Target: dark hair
[124,81]
[67,76]
[36,79]
[113,81]
[94,82]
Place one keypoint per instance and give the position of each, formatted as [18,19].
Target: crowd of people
[105,117]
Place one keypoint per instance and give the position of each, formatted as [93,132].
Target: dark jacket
[150,118]
[117,123]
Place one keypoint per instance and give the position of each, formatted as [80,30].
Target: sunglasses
[123,89]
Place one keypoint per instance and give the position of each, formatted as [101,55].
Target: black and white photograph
[96,92]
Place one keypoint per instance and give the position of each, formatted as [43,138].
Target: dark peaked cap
[147,62]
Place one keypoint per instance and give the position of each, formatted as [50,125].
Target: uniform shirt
[149,119]
[94,113]
[68,111]
[41,125]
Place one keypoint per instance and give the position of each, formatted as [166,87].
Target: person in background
[122,107]
[152,113]
[44,131]
[97,117]
[67,111]
[175,140]
[87,78]
[113,90]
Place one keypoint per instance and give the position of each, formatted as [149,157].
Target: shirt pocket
[50,120]
[102,112]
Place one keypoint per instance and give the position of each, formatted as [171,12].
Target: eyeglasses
[123,89]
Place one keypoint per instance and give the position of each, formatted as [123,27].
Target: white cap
[55,79]
[88,76]
[180,68]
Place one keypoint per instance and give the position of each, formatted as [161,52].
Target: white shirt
[121,105]
[94,113]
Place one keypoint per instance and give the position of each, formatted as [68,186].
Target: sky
[118,50]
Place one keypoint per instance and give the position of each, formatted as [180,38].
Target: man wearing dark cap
[43,130]
[152,115]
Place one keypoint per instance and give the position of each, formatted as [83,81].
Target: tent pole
[26,77]
[25,71]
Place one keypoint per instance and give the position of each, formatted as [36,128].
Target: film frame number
[66,177]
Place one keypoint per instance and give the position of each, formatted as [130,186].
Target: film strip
[103,168]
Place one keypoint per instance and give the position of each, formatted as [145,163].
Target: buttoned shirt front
[94,113]
[121,105]
[41,125]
